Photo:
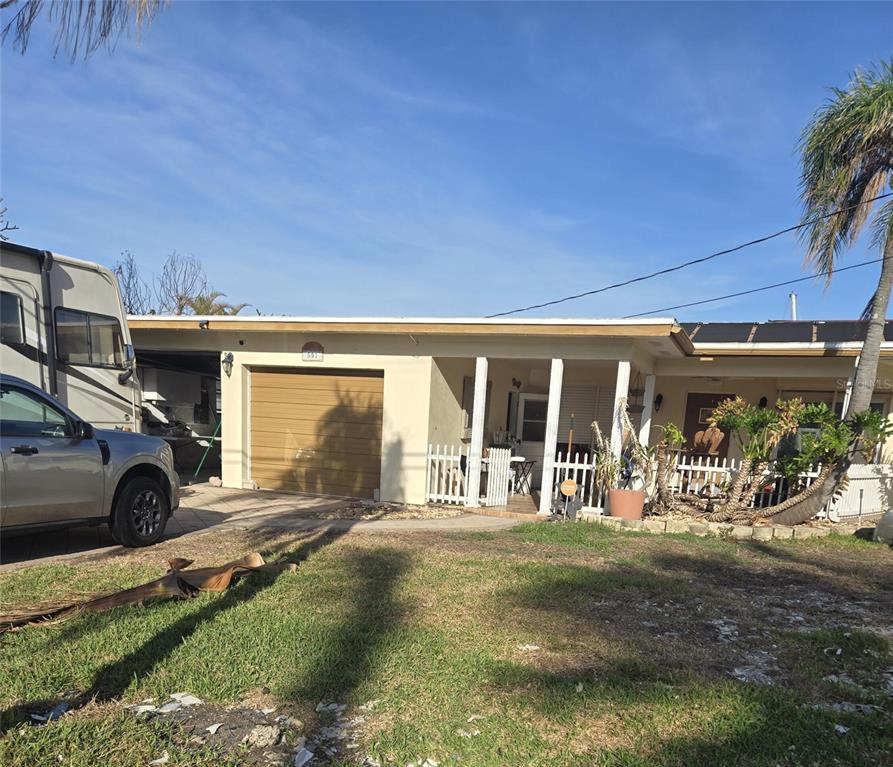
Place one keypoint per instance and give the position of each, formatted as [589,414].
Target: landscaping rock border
[718,529]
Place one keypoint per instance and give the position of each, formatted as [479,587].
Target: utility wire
[754,290]
[693,262]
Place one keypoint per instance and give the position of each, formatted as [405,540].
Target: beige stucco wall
[445,413]
[407,383]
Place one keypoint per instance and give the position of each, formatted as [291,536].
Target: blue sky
[441,159]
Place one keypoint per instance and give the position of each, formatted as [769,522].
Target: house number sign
[312,352]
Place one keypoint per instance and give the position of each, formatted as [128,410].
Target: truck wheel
[140,513]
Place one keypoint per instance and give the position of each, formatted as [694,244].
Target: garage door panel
[308,481]
[318,397]
[327,381]
[311,412]
[265,445]
[315,459]
[316,433]
[341,491]
[307,427]
[309,474]
[319,429]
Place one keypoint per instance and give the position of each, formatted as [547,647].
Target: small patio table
[523,471]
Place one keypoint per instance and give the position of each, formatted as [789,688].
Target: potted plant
[624,479]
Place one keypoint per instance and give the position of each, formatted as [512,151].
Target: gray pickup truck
[58,471]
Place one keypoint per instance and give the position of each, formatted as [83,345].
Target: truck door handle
[24,450]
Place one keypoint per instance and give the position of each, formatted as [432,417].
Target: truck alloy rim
[146,512]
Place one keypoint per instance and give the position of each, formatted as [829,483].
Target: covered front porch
[505,432]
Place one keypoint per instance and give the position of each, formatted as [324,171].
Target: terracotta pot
[626,504]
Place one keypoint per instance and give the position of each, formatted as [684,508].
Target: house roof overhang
[651,328]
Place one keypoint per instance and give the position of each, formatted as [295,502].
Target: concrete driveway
[203,508]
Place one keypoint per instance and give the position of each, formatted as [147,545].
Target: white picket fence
[869,490]
[580,470]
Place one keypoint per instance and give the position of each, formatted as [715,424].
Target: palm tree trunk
[821,481]
[860,399]
[732,505]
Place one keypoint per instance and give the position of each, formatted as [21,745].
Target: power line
[693,262]
[755,290]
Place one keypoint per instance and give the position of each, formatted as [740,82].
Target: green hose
[207,450]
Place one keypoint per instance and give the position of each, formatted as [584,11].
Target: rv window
[12,325]
[83,338]
[105,341]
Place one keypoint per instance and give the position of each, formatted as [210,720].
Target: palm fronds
[847,159]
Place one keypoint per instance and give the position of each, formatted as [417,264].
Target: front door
[532,431]
[48,475]
[698,409]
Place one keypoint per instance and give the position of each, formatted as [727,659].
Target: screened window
[533,426]
[83,338]
[23,414]
[12,322]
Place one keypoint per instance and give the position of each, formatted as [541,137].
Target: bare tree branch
[82,26]
[135,291]
[5,226]
[181,279]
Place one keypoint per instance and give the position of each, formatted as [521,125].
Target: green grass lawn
[633,667]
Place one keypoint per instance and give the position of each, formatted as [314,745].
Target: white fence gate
[447,469]
[445,481]
[500,476]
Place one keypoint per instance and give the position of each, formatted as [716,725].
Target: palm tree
[207,304]
[82,26]
[847,161]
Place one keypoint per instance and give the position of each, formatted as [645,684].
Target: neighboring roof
[842,337]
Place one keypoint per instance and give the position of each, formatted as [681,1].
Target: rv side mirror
[83,430]
[129,364]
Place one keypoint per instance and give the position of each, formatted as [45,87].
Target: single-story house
[363,406]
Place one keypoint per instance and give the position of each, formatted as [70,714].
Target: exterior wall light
[227,363]
[658,401]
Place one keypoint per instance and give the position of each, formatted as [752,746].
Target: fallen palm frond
[177,583]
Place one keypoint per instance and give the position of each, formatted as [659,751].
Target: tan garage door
[317,432]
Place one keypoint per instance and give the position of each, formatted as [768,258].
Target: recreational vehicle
[64,329]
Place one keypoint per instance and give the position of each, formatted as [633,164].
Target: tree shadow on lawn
[660,699]
[786,572]
[358,644]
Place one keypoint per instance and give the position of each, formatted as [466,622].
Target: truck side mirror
[84,430]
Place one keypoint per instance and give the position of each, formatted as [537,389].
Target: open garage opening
[181,404]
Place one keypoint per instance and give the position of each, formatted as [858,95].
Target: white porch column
[621,392]
[551,439]
[648,403]
[478,414]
